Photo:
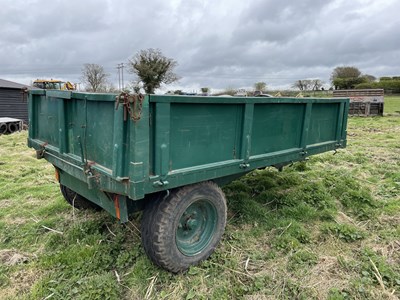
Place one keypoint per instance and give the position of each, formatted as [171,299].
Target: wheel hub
[196,227]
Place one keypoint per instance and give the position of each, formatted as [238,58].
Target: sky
[217,44]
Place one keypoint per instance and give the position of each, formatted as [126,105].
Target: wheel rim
[196,227]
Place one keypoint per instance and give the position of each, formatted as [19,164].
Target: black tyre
[77,200]
[3,128]
[12,127]
[184,228]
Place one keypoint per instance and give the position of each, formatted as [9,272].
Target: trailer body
[168,154]
[103,154]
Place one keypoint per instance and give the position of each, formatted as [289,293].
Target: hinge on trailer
[41,151]
[338,145]
[87,170]
[132,105]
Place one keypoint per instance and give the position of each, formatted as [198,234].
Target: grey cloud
[279,21]
[216,43]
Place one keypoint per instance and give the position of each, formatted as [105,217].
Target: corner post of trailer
[139,152]
[246,135]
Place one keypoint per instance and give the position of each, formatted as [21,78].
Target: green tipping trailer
[168,155]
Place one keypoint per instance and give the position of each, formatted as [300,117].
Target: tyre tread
[158,217]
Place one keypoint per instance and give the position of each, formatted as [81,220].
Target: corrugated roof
[12,85]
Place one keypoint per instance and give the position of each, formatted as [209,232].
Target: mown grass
[392,105]
[328,228]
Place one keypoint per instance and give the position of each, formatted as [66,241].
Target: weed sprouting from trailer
[327,228]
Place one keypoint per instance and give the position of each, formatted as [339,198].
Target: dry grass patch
[20,283]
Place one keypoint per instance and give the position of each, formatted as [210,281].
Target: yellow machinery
[51,84]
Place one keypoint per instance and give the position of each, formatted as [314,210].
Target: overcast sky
[218,44]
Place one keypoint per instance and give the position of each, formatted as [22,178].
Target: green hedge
[388,85]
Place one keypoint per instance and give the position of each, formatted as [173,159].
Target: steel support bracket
[160,183]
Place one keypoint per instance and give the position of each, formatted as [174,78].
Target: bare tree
[303,84]
[260,86]
[153,69]
[317,84]
[298,84]
[94,77]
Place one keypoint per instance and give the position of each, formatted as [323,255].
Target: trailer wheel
[3,128]
[77,200]
[185,227]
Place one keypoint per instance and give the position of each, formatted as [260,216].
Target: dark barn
[13,101]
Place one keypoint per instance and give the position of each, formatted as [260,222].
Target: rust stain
[91,163]
[57,175]
[116,205]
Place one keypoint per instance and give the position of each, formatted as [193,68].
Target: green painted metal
[196,227]
[178,140]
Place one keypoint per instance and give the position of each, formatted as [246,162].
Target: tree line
[351,78]
[152,69]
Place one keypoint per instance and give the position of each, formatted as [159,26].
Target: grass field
[325,229]
[392,105]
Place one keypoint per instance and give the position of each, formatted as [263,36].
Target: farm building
[368,102]
[13,100]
